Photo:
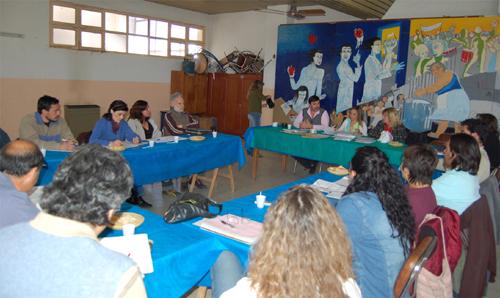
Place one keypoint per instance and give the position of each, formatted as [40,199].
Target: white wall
[31,56]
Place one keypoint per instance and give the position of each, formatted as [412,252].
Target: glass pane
[91,18]
[63,14]
[116,42]
[177,49]
[116,22]
[194,49]
[137,44]
[158,47]
[63,37]
[137,25]
[177,31]
[195,34]
[91,40]
[158,29]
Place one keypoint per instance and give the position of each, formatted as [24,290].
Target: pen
[226,223]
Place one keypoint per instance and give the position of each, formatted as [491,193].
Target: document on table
[168,139]
[135,247]
[334,190]
[238,228]
[341,136]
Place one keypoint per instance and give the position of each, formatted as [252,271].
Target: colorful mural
[431,67]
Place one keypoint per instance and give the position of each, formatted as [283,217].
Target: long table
[325,150]
[168,160]
[183,253]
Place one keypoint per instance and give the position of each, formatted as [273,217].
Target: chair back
[413,264]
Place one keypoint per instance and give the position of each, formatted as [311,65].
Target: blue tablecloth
[168,160]
[183,253]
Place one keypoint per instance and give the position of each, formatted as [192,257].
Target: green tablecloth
[325,150]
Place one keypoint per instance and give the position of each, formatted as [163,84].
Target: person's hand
[67,145]
[263,104]
[179,126]
[136,140]
[291,71]
[305,124]
[399,66]
[291,113]
[322,96]
[116,143]
[357,58]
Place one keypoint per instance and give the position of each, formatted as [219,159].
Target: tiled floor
[269,175]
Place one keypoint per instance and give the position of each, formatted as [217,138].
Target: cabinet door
[233,107]
[200,93]
[217,99]
[189,94]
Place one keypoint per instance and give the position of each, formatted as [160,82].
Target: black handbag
[190,205]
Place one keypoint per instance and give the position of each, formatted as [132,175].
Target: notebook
[135,247]
[238,228]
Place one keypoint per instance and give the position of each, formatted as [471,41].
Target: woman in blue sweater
[379,222]
[112,129]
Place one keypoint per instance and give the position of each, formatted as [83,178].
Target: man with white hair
[176,120]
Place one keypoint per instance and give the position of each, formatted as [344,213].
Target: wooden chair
[213,179]
[412,266]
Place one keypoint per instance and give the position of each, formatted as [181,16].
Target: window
[91,28]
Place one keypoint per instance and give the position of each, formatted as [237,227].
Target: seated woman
[379,222]
[458,187]
[111,129]
[492,142]
[141,123]
[419,161]
[303,252]
[353,123]
[391,123]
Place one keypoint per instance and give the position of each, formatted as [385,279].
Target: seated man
[20,164]
[176,120]
[46,128]
[313,117]
[87,188]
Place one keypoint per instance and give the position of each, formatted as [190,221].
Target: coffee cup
[176,139]
[151,143]
[313,130]
[128,229]
[289,126]
[260,200]
[214,134]
[275,124]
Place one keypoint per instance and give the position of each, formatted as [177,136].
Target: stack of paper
[365,140]
[334,190]
[232,226]
[135,247]
[168,139]
[342,136]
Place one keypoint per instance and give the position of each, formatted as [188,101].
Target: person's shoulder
[28,118]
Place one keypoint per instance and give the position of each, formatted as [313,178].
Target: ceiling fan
[295,13]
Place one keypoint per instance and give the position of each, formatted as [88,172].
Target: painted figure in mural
[311,76]
[375,71]
[452,103]
[422,64]
[347,78]
[298,103]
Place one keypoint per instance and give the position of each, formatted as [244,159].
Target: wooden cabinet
[227,100]
[194,89]
[220,95]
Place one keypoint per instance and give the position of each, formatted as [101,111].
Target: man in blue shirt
[20,164]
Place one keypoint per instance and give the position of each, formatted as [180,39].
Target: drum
[416,115]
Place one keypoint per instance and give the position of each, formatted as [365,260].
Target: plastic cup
[260,200]
[289,126]
[151,143]
[44,151]
[313,130]
[275,124]
[214,134]
[176,139]
[128,229]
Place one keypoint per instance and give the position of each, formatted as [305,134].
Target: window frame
[79,28]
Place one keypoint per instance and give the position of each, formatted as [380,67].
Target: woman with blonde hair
[392,124]
[353,123]
[303,251]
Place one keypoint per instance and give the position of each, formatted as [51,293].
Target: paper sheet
[135,247]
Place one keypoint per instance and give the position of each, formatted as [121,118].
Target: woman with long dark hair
[140,121]
[379,221]
[112,129]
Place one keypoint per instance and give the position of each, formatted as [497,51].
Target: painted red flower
[312,38]
[358,33]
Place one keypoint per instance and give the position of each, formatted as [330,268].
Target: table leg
[202,292]
[255,159]
[212,184]
[283,162]
[231,177]
[193,182]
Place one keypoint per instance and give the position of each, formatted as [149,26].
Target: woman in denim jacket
[379,222]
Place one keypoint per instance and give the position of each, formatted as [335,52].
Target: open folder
[238,228]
